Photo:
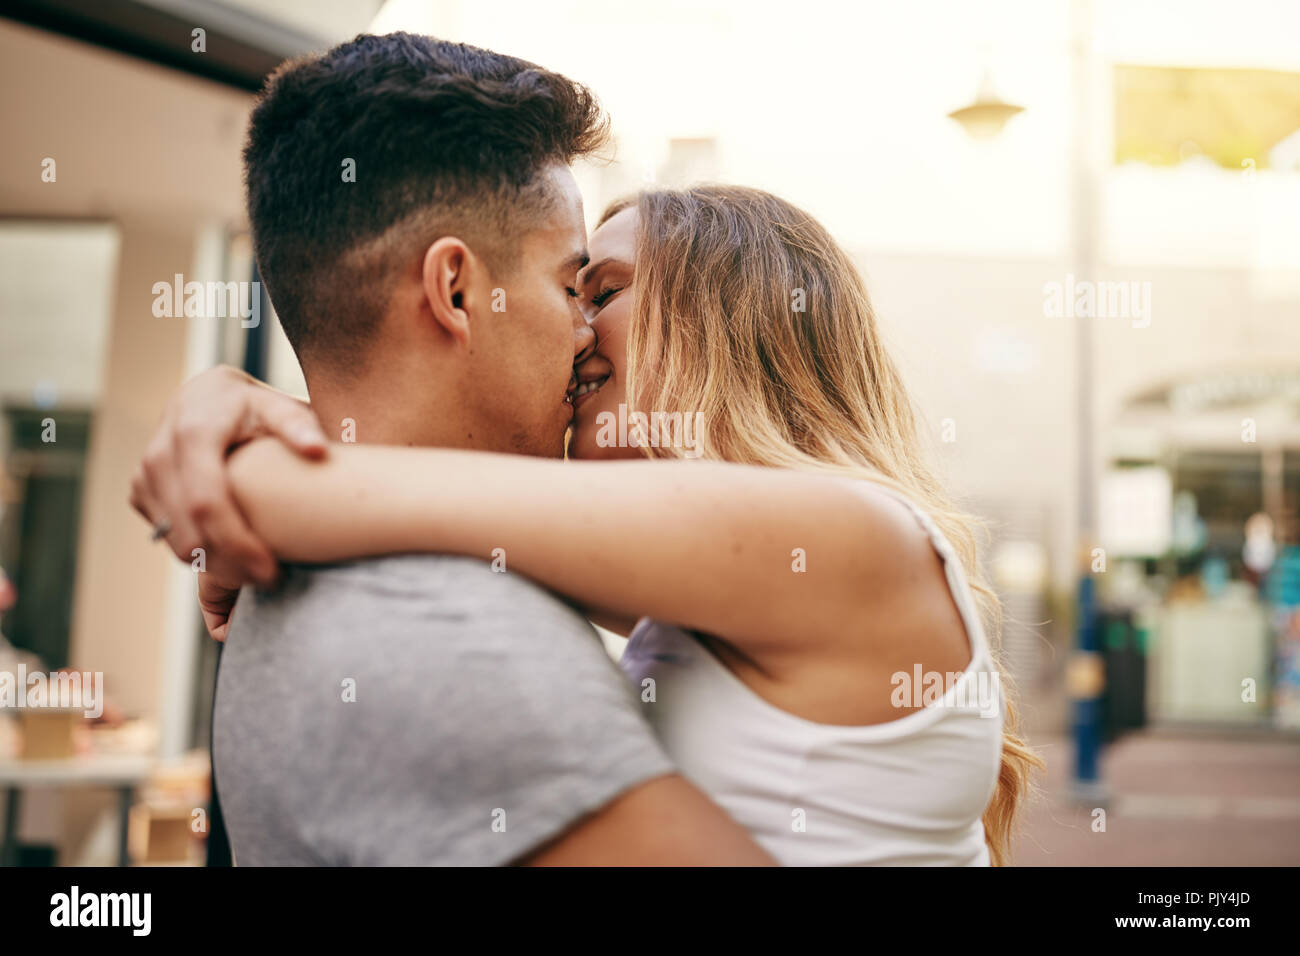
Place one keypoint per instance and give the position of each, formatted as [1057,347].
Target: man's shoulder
[458,690]
[414,628]
[462,604]
[446,586]
[420,571]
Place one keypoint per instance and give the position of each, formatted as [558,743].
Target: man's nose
[584,342]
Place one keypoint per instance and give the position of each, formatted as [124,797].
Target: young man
[419,231]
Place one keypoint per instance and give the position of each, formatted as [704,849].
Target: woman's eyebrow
[586,274]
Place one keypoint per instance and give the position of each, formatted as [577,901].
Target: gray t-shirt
[417,710]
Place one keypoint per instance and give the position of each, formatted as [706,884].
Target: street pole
[1085,675]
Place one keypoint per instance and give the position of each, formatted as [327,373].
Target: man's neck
[368,414]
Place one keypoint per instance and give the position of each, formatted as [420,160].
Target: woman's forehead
[616,238]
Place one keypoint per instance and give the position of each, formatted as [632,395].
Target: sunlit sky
[843,107]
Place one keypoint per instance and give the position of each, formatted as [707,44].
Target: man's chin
[549,439]
[543,440]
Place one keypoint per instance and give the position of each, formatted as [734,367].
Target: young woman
[793,577]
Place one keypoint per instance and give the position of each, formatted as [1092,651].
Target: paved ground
[1176,799]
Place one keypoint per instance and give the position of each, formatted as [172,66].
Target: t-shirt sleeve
[466,718]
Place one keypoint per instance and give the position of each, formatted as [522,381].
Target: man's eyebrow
[576,261]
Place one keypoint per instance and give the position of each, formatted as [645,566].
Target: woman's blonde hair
[747,311]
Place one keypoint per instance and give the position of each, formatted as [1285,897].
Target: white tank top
[910,791]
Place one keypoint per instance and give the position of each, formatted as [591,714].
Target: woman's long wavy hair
[746,310]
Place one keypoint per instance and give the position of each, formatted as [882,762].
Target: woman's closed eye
[603,296]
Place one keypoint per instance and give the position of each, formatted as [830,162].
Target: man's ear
[451,274]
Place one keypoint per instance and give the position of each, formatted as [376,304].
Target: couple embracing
[411,675]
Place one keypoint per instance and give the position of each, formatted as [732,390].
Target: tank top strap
[954,572]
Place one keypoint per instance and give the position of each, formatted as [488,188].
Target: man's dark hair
[446,139]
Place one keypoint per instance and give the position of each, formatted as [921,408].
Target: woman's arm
[710,546]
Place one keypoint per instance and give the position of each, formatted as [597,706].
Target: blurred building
[123,127]
[122,169]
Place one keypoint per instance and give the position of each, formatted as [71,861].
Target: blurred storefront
[1201,548]
[123,125]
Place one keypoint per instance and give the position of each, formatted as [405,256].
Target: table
[121,772]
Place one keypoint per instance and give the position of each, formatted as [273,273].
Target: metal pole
[1086,675]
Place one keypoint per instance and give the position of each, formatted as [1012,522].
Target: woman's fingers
[183,480]
[220,529]
[156,495]
[141,498]
[216,603]
[291,421]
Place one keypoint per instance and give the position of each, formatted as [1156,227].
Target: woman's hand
[182,482]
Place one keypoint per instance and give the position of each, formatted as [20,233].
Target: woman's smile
[587,389]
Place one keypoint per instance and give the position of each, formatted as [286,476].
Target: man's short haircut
[444,138]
